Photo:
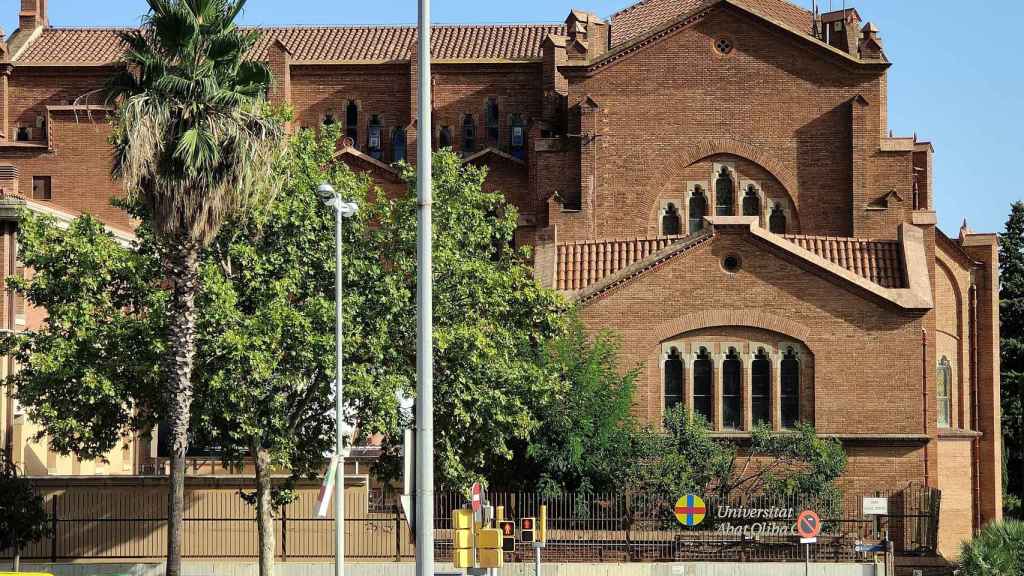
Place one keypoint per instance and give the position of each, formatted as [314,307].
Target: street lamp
[342,210]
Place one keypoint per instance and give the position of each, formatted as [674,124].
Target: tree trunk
[264,512]
[182,271]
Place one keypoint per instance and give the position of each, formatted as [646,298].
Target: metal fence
[128,522]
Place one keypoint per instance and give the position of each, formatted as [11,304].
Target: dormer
[587,35]
[841,29]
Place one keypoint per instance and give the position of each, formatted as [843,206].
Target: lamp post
[342,210]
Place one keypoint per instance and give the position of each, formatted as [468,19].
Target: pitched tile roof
[97,46]
[645,16]
[582,264]
[876,260]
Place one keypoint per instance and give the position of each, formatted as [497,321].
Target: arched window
[468,134]
[724,195]
[732,391]
[944,382]
[777,220]
[761,388]
[491,120]
[751,202]
[373,140]
[698,209]
[673,379]
[352,122]
[398,144]
[670,222]
[517,136]
[702,385]
[790,374]
[444,137]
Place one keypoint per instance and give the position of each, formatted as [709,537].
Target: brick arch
[689,155]
[745,318]
[958,296]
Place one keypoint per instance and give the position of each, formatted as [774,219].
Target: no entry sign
[808,524]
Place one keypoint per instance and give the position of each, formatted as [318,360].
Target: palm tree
[193,145]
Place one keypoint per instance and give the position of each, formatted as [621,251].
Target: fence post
[284,533]
[398,533]
[53,537]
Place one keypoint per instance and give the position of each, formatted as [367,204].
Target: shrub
[998,550]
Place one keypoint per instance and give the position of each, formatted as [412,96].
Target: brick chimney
[588,35]
[841,29]
[33,15]
[870,43]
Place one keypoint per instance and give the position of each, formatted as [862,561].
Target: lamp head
[326,192]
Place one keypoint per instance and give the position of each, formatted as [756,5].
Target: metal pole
[536,558]
[339,479]
[425,308]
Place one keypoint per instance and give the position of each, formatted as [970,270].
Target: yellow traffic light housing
[462,538]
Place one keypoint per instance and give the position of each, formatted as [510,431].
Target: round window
[723,46]
[731,264]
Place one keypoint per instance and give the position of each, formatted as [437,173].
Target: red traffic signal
[526,529]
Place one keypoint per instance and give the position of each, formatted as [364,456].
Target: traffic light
[488,548]
[462,538]
[508,535]
[526,529]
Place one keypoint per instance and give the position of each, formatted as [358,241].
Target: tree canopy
[1011,326]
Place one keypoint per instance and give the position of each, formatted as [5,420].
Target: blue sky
[956,79]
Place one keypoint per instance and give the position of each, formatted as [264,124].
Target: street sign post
[808,526]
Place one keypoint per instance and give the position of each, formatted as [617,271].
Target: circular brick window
[723,46]
[731,264]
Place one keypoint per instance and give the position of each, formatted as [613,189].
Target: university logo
[690,510]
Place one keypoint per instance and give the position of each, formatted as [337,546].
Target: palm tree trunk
[182,270]
[264,512]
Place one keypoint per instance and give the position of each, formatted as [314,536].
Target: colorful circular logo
[690,510]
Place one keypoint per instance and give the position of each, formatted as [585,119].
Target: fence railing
[128,522]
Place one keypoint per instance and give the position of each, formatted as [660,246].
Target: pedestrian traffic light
[488,548]
[526,529]
[508,535]
[462,538]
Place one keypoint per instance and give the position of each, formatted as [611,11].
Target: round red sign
[808,524]
[476,497]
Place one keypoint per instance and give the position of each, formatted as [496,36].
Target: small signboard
[476,500]
[876,506]
[808,525]
[808,540]
[508,535]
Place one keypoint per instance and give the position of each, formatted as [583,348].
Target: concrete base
[199,568]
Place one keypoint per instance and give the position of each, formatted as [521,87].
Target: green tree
[998,550]
[1011,326]
[23,518]
[193,143]
[588,424]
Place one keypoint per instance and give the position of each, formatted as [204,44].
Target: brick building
[713,179]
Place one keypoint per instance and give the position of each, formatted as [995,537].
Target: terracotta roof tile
[583,264]
[321,44]
[647,15]
[876,260]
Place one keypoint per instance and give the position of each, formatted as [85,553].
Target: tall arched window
[517,136]
[761,388]
[491,121]
[444,137]
[673,379]
[751,202]
[352,122]
[732,391]
[724,194]
[702,385]
[468,134]
[944,382]
[671,224]
[790,376]
[398,144]
[373,140]
[698,209]
[777,220]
